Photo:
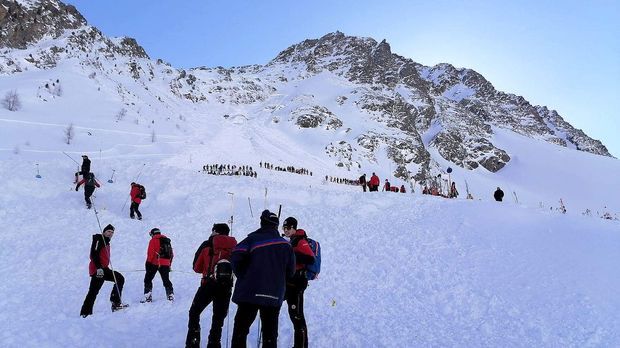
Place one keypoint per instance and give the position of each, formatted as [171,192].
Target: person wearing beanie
[498,194]
[262,262]
[212,260]
[100,272]
[159,255]
[84,169]
[135,201]
[90,183]
[296,286]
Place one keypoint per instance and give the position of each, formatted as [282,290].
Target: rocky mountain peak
[26,22]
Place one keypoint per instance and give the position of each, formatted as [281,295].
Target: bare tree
[121,114]
[11,101]
[69,133]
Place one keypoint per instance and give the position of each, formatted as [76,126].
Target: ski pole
[250,204]
[265,205]
[105,245]
[76,162]
[38,176]
[279,210]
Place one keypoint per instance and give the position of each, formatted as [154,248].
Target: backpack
[223,272]
[165,248]
[142,194]
[313,270]
[91,180]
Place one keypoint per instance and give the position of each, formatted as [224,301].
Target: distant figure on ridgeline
[498,195]
[373,184]
[362,180]
[89,187]
[84,169]
[453,191]
[386,186]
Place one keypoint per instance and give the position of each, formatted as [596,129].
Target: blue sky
[562,54]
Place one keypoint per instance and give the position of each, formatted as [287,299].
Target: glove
[99,273]
[77,187]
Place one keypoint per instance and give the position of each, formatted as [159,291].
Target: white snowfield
[399,270]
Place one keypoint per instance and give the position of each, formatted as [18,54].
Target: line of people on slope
[289,169]
[269,270]
[227,169]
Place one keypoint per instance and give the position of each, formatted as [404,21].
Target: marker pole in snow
[106,246]
[265,205]
[38,176]
[250,204]
[76,162]
[232,211]
[110,180]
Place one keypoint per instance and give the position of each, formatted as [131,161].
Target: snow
[399,270]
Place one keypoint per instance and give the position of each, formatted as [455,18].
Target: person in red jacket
[212,260]
[100,272]
[386,186]
[373,184]
[159,256]
[402,189]
[135,201]
[296,286]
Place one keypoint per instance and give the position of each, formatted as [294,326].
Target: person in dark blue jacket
[262,262]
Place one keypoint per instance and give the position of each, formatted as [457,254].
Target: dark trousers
[95,286]
[88,191]
[133,209]
[208,292]
[295,300]
[246,313]
[364,187]
[151,271]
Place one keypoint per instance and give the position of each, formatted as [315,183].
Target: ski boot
[171,297]
[88,206]
[118,306]
[148,297]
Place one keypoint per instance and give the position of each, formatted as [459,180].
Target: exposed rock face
[22,25]
[412,108]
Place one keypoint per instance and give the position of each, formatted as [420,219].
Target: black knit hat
[108,227]
[154,231]
[290,222]
[221,228]
[269,218]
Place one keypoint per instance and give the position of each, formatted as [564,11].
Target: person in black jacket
[362,181]
[89,187]
[262,262]
[99,271]
[498,195]
[84,169]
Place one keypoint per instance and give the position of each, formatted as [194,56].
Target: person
[363,182]
[374,182]
[498,195]
[402,189]
[453,192]
[215,286]
[84,169]
[89,187]
[386,186]
[262,262]
[296,286]
[159,257]
[100,272]
[135,201]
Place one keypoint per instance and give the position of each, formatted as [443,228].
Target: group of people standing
[269,270]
